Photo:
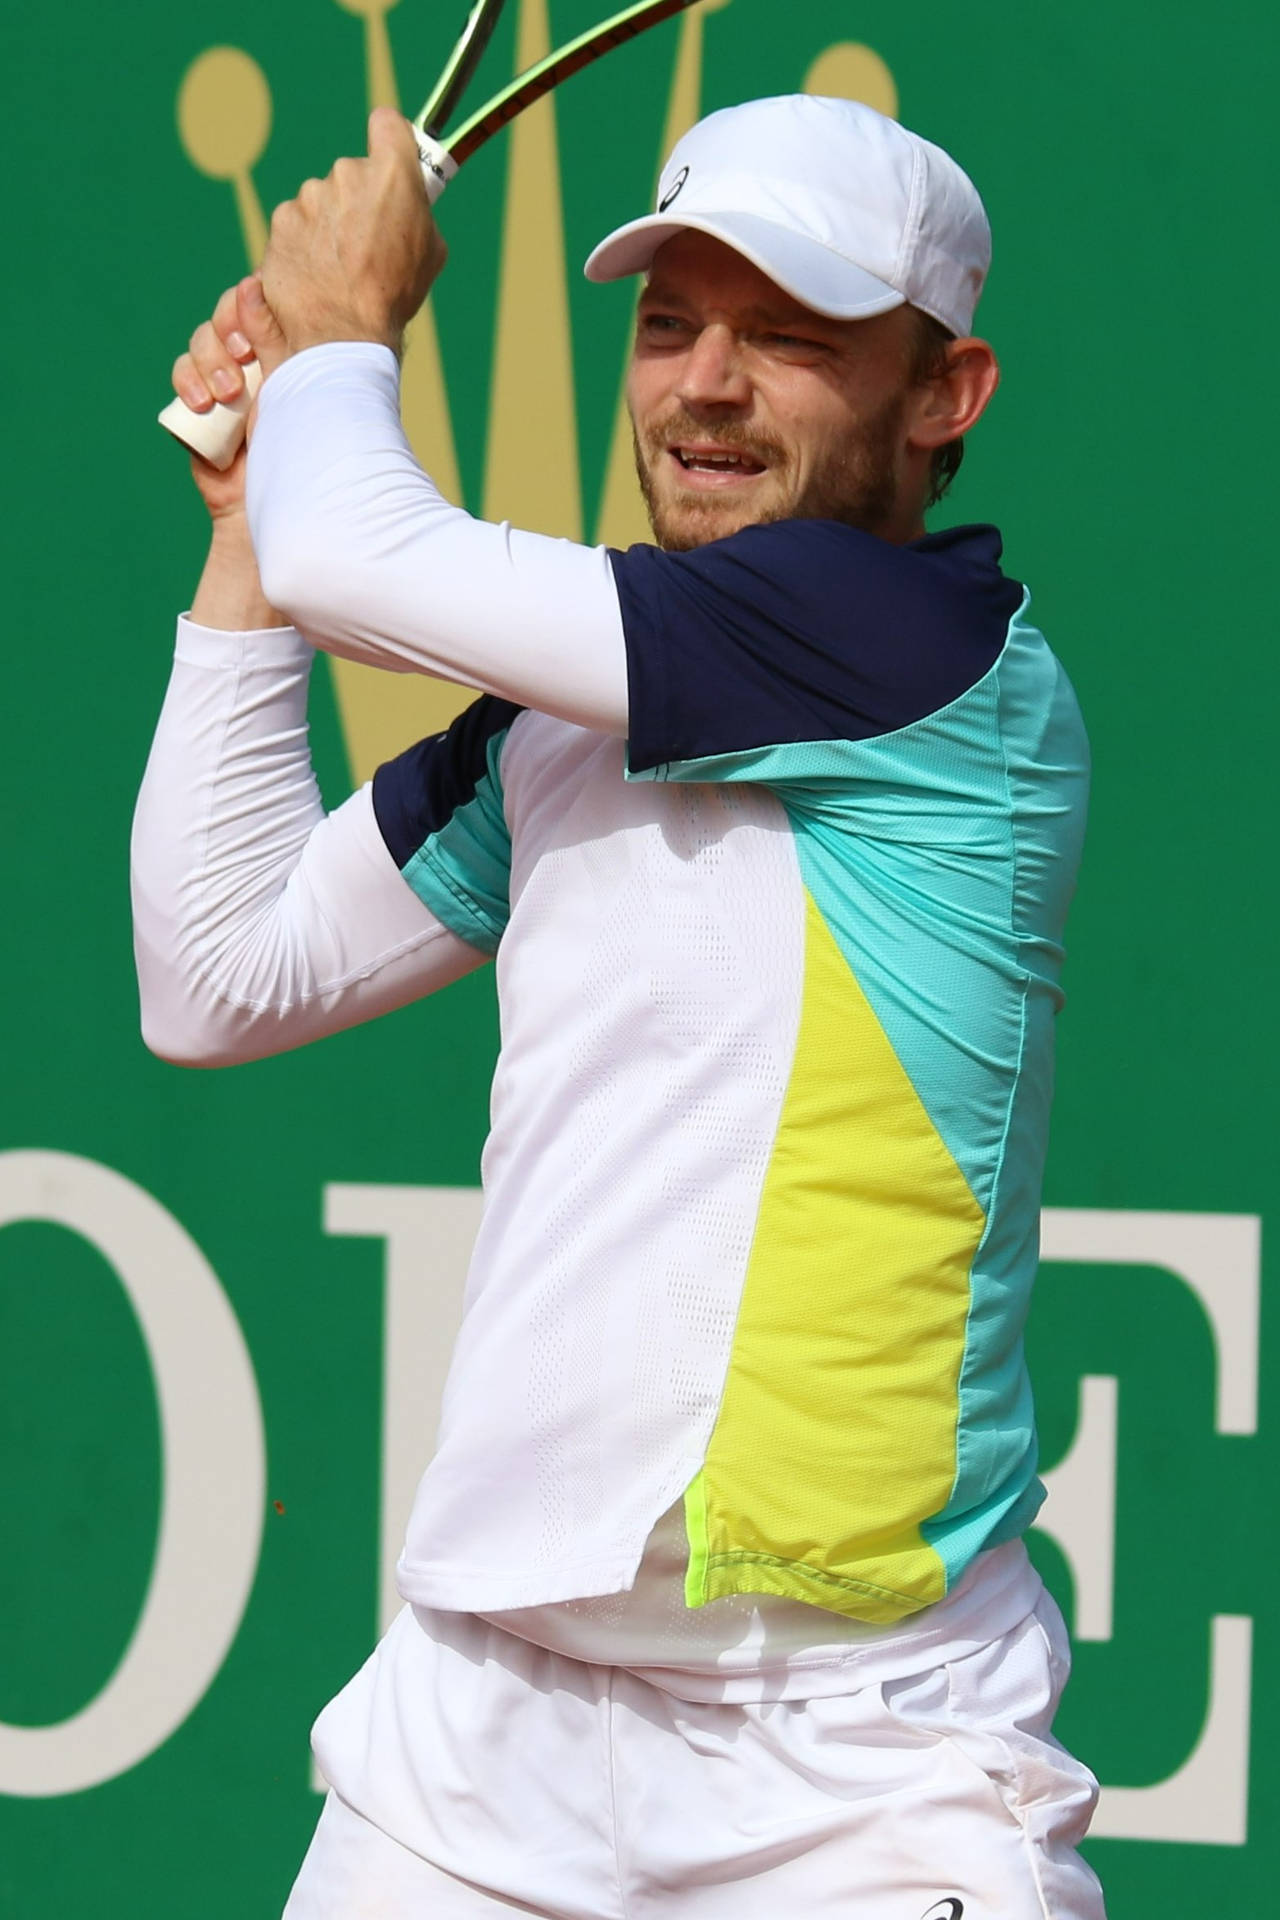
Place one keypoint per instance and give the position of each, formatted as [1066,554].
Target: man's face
[749,407]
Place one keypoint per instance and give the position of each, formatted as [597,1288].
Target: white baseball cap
[843,208]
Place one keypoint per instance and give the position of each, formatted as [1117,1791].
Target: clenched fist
[353,257]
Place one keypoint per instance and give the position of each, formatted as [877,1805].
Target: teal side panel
[1046,766]
[463,872]
[957,1535]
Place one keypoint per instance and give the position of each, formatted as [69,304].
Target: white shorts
[477,1774]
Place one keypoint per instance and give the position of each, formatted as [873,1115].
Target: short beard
[858,485]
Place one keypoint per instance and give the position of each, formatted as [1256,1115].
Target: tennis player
[716,1598]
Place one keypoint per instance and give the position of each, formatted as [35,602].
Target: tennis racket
[217,434]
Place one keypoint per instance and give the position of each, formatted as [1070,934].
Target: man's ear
[956,396]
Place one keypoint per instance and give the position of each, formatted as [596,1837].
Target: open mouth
[721,464]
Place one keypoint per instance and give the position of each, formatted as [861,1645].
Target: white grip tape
[216,436]
[438,164]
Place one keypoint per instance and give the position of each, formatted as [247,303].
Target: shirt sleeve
[440,812]
[260,921]
[744,653]
[357,545]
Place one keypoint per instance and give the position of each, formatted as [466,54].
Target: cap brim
[813,274]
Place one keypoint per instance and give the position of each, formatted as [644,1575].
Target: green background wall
[1123,156]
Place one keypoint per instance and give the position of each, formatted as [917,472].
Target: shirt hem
[482,1590]
[995,1607]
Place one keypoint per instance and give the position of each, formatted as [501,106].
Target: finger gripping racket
[217,434]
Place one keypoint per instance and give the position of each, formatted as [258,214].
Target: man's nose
[713,374]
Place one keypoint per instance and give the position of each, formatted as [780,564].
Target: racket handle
[217,434]
[438,164]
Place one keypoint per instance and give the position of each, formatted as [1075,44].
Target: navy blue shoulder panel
[418,792]
[804,630]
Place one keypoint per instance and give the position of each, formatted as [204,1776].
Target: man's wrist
[353,336]
[229,596]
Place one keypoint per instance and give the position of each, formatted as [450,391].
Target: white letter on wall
[1206,1801]
[213,1475]
[1218,1256]
[1080,1510]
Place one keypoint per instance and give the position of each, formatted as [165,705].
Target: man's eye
[665,324]
[793,343]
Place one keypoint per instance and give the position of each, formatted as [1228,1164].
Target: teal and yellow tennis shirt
[778,978]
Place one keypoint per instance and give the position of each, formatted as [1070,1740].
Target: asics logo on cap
[673,191]
[948,1909]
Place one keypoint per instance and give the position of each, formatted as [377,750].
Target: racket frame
[459,70]
[541,78]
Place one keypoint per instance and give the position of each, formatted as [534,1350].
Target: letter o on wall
[213,1475]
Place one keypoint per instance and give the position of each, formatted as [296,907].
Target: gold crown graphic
[531,473]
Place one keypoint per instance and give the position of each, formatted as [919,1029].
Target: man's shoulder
[821,572]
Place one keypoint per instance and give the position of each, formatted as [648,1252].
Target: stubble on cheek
[858,482]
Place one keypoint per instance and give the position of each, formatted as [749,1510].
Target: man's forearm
[260,924]
[230,597]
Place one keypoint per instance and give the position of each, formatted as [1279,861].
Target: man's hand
[354,256]
[242,329]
